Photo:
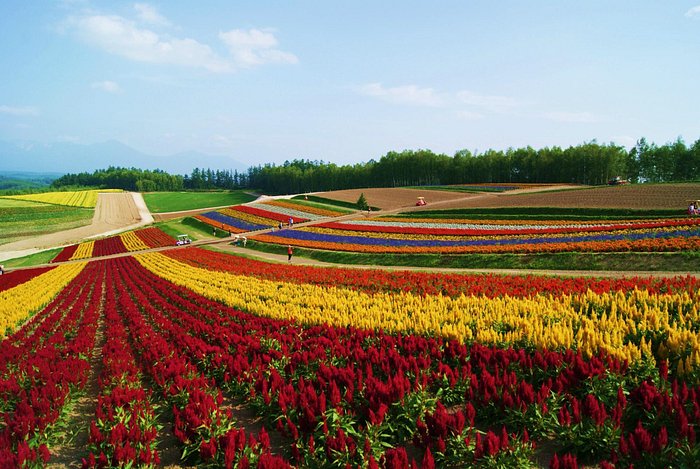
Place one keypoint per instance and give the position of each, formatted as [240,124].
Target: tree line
[589,163]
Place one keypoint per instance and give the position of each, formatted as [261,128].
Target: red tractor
[617,181]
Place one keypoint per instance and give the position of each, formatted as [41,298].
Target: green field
[22,219]
[43,257]
[189,226]
[163,202]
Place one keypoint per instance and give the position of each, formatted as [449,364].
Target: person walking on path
[290,251]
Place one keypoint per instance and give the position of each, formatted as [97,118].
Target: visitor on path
[280,226]
[290,251]
[291,222]
[2,269]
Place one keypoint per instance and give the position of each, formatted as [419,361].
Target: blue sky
[345,82]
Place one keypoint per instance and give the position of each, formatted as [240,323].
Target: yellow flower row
[18,303]
[133,242]
[621,325]
[70,198]
[84,250]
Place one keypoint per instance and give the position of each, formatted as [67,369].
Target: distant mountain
[66,157]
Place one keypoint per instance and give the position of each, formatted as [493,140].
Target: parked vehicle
[617,181]
[183,239]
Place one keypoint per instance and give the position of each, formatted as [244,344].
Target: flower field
[389,235]
[70,198]
[138,240]
[263,215]
[347,367]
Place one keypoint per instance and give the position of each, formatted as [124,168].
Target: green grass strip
[39,258]
[162,202]
[624,261]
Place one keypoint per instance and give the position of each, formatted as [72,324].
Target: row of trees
[589,163]
[130,179]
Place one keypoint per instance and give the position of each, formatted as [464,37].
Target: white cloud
[255,47]
[489,103]
[576,117]
[407,94]
[19,110]
[149,14]
[122,37]
[695,11]
[107,86]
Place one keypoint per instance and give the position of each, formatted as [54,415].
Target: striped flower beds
[228,223]
[139,240]
[435,227]
[261,215]
[306,209]
[642,240]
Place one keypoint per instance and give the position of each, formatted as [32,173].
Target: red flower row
[268,214]
[424,283]
[16,277]
[66,253]
[124,431]
[154,237]
[41,363]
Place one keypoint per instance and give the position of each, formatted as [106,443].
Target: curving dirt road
[115,212]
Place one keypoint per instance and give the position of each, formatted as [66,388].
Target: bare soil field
[114,212]
[636,196]
[394,198]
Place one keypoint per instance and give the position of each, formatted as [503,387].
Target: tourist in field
[2,269]
[291,222]
[280,225]
[290,251]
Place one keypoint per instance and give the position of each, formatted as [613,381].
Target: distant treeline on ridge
[589,163]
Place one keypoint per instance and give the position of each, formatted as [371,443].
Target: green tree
[362,202]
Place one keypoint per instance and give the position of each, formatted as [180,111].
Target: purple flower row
[243,225]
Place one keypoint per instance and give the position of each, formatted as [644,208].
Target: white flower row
[286,211]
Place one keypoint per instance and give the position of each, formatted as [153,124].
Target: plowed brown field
[635,196]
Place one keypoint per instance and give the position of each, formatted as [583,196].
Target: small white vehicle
[183,239]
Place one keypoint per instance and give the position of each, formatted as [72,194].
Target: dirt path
[114,213]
